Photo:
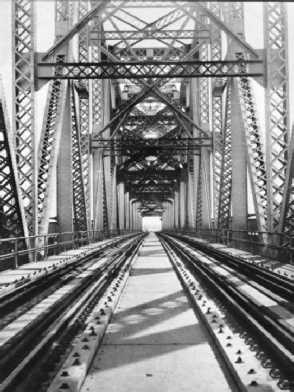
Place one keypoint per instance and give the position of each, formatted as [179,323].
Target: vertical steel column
[79,200]
[204,197]
[196,158]
[224,213]
[176,209]
[287,208]
[239,159]
[127,210]
[190,185]
[23,45]
[239,169]
[108,166]
[121,205]
[64,171]
[277,109]
[172,215]
[250,129]
[52,126]
[12,217]
[84,108]
[99,187]
[95,95]
[217,92]
[183,204]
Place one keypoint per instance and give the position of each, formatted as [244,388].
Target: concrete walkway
[155,341]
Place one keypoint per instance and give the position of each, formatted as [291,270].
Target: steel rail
[281,285]
[20,352]
[21,296]
[267,325]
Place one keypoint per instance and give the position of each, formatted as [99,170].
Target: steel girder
[23,46]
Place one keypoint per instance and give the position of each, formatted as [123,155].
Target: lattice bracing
[277,107]
[224,213]
[11,218]
[153,69]
[255,150]
[62,10]
[79,201]
[191,195]
[84,105]
[199,199]
[217,151]
[23,98]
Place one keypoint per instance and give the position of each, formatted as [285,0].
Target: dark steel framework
[142,126]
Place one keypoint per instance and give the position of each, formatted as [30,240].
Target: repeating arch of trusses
[149,115]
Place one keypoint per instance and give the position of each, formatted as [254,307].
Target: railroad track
[268,313]
[279,284]
[33,329]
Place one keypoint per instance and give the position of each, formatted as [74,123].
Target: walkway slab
[154,341]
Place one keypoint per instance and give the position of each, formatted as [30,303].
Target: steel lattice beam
[183,144]
[147,34]
[151,69]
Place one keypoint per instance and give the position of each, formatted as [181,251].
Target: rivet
[239,352]
[251,371]
[93,333]
[64,386]
[64,374]
[76,355]
[208,311]
[85,340]
[253,383]
[239,360]
[220,329]
[85,347]
[229,345]
[229,337]
[76,362]
[102,312]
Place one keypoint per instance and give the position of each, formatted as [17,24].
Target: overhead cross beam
[148,34]
[182,144]
[151,69]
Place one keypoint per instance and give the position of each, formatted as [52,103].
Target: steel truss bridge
[147,117]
